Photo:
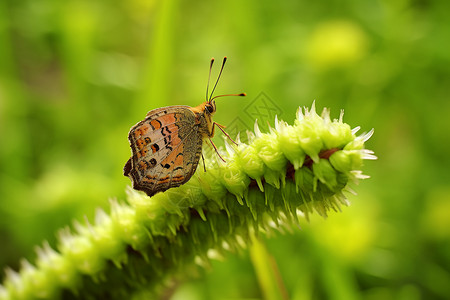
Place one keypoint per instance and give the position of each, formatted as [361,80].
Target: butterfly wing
[166,147]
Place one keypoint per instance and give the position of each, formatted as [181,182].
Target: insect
[166,146]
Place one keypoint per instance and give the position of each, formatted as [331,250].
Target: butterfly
[166,146]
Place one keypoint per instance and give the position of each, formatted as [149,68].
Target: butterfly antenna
[241,95]
[209,77]
[218,77]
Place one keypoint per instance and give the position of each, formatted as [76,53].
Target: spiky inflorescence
[264,186]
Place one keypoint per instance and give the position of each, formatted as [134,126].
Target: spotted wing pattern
[166,148]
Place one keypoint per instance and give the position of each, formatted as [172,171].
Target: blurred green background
[76,75]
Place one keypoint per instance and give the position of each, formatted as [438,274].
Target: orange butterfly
[166,146]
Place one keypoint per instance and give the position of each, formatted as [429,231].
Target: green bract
[288,172]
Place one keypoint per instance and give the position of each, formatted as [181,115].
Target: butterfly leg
[215,148]
[221,127]
[204,164]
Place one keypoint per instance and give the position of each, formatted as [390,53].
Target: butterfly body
[166,146]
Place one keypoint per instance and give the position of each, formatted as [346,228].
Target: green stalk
[266,185]
[267,272]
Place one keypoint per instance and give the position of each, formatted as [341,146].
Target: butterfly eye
[210,108]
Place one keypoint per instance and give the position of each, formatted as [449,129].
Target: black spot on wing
[167,131]
[155,148]
[167,142]
[152,162]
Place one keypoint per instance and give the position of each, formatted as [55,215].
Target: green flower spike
[264,186]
